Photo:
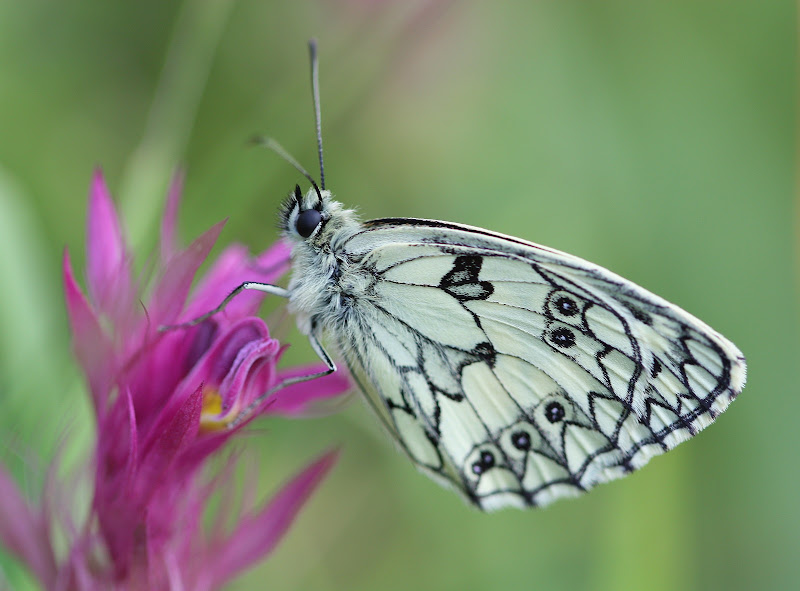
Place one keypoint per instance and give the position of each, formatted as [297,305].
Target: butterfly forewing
[519,374]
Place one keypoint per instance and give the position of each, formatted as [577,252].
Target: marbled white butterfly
[512,372]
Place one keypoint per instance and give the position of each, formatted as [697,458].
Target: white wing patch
[518,374]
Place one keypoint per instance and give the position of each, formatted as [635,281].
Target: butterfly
[514,373]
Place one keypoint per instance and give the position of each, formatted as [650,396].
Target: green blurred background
[657,139]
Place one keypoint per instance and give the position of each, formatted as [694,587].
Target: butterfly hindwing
[520,374]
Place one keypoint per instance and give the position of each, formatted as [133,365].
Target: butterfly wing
[519,374]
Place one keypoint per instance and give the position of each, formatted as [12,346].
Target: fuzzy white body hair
[324,281]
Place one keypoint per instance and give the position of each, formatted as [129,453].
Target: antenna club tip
[312,44]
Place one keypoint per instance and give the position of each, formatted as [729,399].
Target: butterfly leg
[265,287]
[253,406]
[315,344]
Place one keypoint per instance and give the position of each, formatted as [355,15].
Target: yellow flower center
[211,418]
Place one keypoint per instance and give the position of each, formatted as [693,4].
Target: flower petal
[216,374]
[24,533]
[92,347]
[312,398]
[177,275]
[118,445]
[228,352]
[239,367]
[107,263]
[170,436]
[275,261]
[233,267]
[119,511]
[257,535]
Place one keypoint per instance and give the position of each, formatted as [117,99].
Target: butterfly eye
[307,222]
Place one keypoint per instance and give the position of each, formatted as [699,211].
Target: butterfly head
[312,218]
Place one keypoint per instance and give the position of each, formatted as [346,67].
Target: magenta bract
[164,401]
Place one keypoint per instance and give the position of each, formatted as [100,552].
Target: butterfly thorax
[324,280]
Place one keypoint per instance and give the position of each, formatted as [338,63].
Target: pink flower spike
[308,399]
[164,401]
[107,265]
[259,534]
[92,347]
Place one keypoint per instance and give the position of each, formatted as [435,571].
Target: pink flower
[164,402]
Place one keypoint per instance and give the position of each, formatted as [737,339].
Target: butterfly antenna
[312,48]
[271,144]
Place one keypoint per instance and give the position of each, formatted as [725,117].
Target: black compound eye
[307,222]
